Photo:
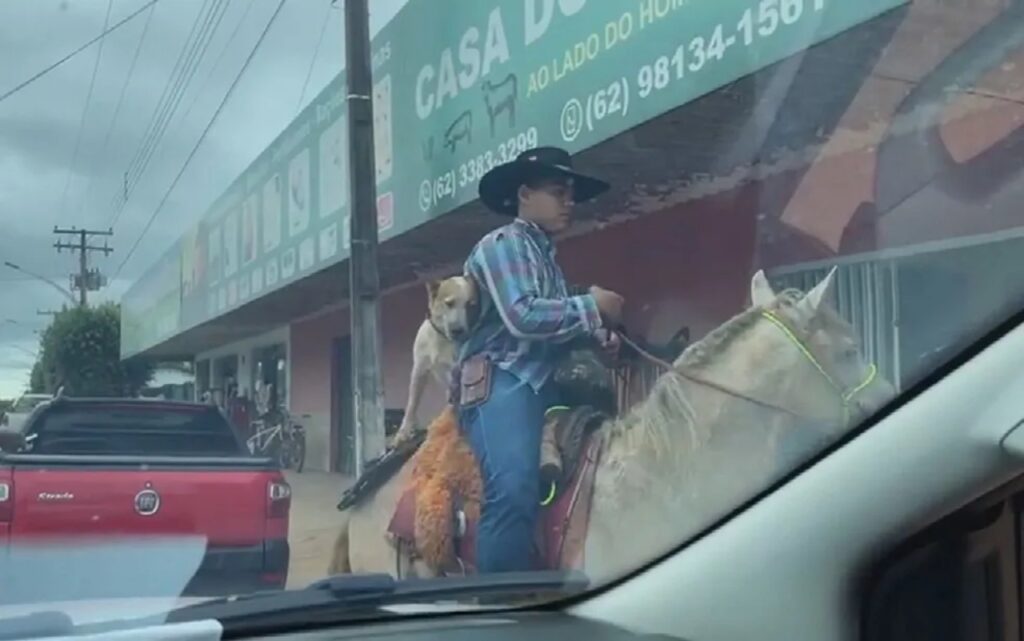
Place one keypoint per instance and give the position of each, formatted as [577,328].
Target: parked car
[120,468]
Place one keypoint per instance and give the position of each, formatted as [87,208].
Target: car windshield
[434,287]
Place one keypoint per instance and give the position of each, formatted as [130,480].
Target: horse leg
[340,561]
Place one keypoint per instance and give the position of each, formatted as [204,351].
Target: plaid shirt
[527,312]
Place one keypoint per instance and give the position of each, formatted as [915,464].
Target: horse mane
[718,339]
[650,424]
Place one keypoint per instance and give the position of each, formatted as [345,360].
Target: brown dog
[452,311]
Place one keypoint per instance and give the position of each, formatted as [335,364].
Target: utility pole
[364,280]
[86,280]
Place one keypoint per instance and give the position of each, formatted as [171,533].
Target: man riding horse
[501,384]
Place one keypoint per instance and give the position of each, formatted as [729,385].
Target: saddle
[437,513]
[436,516]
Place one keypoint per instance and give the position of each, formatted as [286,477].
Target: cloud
[39,127]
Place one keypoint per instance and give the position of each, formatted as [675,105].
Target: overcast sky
[41,186]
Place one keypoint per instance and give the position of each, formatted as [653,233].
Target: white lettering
[424,103]
[535,27]
[496,46]
[537,24]
[469,58]
[446,84]
[571,7]
[472,65]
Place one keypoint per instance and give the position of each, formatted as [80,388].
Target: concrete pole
[83,270]
[364,281]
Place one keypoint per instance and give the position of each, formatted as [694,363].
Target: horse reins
[700,380]
[845,396]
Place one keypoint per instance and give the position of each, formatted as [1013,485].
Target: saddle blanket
[561,529]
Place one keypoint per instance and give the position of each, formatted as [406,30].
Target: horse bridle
[846,396]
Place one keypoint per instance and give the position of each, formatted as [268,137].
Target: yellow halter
[845,396]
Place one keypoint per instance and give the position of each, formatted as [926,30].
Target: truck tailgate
[226,503]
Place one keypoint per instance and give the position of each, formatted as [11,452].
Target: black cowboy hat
[498,187]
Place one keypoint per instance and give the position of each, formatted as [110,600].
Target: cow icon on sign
[460,129]
[500,98]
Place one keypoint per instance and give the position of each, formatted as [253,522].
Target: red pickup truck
[108,468]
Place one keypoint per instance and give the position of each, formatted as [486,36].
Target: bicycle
[277,436]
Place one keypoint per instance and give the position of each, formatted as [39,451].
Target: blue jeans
[505,434]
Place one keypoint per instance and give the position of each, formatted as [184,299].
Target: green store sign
[461,86]
[152,311]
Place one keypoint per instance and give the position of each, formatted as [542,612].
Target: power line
[120,102]
[192,66]
[316,54]
[202,137]
[194,55]
[171,87]
[161,104]
[13,90]
[182,74]
[85,110]
[216,63]
[206,81]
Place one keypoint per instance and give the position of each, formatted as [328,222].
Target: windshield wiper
[350,594]
[330,600]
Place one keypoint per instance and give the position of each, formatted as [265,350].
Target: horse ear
[811,302]
[761,292]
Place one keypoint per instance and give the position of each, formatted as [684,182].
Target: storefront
[753,141]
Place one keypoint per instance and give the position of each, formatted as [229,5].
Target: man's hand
[609,304]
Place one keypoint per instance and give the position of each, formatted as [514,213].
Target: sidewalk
[315,522]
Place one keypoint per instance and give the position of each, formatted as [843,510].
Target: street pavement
[314,525]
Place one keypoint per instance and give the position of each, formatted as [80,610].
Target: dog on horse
[453,306]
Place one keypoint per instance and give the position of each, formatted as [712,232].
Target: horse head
[822,373]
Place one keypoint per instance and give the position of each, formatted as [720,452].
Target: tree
[81,352]
[37,381]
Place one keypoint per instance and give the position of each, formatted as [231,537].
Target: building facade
[791,136]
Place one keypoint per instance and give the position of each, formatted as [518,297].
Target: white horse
[786,370]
